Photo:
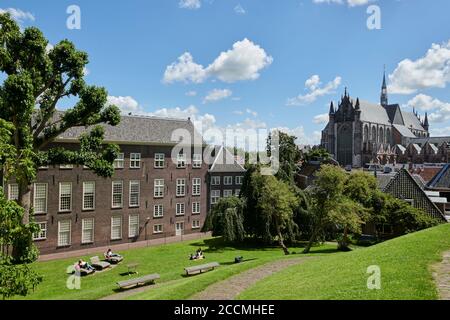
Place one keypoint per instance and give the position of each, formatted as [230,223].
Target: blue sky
[257,63]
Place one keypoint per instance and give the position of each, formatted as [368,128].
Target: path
[441,274]
[230,288]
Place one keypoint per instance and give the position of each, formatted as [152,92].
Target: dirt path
[230,288]
[441,275]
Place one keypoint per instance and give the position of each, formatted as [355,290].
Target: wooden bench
[201,268]
[138,281]
[99,265]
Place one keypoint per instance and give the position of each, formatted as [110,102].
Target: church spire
[331,108]
[426,125]
[384,94]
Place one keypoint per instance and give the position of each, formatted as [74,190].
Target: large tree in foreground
[38,76]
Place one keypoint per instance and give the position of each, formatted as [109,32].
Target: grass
[404,264]
[167,260]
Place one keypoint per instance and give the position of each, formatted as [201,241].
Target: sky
[254,64]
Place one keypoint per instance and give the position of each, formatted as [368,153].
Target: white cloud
[19,15]
[238,112]
[313,84]
[239,9]
[252,112]
[125,104]
[243,62]
[350,3]
[190,4]
[191,93]
[430,71]
[217,94]
[302,137]
[440,110]
[321,118]
[440,132]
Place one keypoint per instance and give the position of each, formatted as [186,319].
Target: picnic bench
[132,268]
[114,259]
[201,268]
[138,281]
[99,265]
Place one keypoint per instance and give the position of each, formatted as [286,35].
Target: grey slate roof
[395,114]
[441,180]
[411,121]
[143,129]
[384,179]
[374,113]
[435,140]
[404,131]
[225,162]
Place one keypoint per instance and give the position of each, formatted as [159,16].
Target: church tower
[384,94]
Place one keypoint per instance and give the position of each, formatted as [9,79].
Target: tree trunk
[25,200]
[311,241]
[343,244]
[281,241]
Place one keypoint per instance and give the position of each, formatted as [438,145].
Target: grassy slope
[404,264]
[167,260]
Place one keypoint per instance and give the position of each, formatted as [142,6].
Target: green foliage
[226,219]
[17,280]
[317,153]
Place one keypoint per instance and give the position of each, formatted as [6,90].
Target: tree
[37,78]
[317,153]
[226,219]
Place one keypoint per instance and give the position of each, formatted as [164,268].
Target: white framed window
[64,233]
[181,160]
[87,230]
[40,198]
[196,186]
[119,163]
[227,193]
[116,228]
[13,191]
[65,196]
[117,194]
[197,161]
[237,192]
[43,168]
[158,211]
[215,196]
[215,181]
[158,228]
[159,160]
[181,187]
[228,180]
[158,191]
[239,180]
[195,224]
[135,189]
[195,207]
[135,160]
[133,225]
[42,233]
[66,166]
[89,195]
[180,209]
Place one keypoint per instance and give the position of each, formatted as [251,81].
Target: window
[227,193]
[133,226]
[87,230]
[237,192]
[215,195]
[135,160]
[13,191]
[195,207]
[158,211]
[239,180]
[195,224]
[65,196]
[88,195]
[197,161]
[116,228]
[180,209]
[40,198]
[158,228]
[42,233]
[117,194]
[66,166]
[135,187]
[64,236]
[196,186]
[158,188]
[119,163]
[181,187]
[215,181]
[159,160]
[181,160]
[228,180]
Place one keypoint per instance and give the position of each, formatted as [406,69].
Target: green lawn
[167,260]
[404,263]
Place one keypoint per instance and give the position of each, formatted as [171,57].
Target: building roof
[395,114]
[411,121]
[441,180]
[374,113]
[384,179]
[143,129]
[404,131]
[426,173]
[225,162]
[435,140]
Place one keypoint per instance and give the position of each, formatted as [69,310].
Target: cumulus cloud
[302,137]
[440,110]
[217,94]
[429,71]
[239,9]
[321,118]
[243,62]
[316,90]
[191,93]
[350,3]
[126,104]
[190,4]
[19,15]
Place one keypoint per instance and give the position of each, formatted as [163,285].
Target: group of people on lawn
[198,255]
[86,266]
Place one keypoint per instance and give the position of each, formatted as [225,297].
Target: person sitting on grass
[109,254]
[84,265]
[199,254]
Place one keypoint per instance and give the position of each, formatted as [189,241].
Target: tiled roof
[411,121]
[404,131]
[225,162]
[441,180]
[374,113]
